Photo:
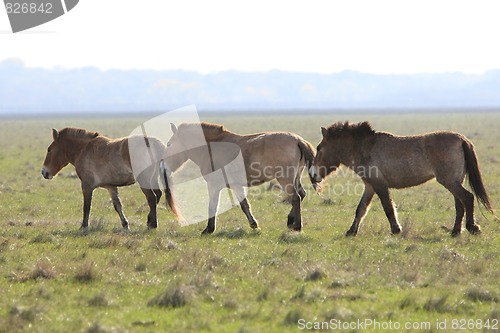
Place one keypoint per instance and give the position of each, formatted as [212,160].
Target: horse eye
[48,150]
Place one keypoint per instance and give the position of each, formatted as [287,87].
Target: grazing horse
[384,161]
[266,156]
[103,162]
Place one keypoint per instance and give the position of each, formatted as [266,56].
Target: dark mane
[359,130]
[77,133]
[212,129]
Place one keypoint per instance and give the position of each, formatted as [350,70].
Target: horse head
[341,144]
[55,159]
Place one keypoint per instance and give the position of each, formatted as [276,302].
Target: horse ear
[55,134]
[324,131]
[173,128]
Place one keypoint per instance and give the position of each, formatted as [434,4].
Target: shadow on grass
[237,233]
[293,237]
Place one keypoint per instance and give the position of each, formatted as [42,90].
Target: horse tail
[475,179]
[168,190]
[308,152]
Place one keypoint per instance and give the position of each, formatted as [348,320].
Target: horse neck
[355,155]
[73,147]
[174,162]
[223,137]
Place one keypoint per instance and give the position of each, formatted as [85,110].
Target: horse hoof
[256,230]
[456,233]
[396,231]
[207,232]
[474,230]
[351,233]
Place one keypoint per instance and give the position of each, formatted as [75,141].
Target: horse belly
[407,173]
[266,170]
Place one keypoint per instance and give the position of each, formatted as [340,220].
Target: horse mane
[78,133]
[358,130]
[210,129]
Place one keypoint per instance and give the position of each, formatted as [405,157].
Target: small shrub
[86,273]
[408,302]
[315,274]
[292,317]
[175,297]
[338,284]
[263,295]
[96,328]
[140,267]
[162,244]
[43,269]
[436,304]
[26,314]
[300,293]
[42,238]
[98,300]
[478,295]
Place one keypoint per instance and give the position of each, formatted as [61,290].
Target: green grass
[56,278]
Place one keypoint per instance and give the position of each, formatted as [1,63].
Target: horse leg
[158,194]
[87,203]
[151,199]
[291,219]
[292,192]
[213,205]
[460,211]
[117,204]
[362,209]
[154,185]
[297,217]
[385,198]
[467,201]
[245,207]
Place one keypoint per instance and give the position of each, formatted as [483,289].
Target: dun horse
[384,161]
[103,162]
[266,156]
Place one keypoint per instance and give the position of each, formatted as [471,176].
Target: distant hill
[33,90]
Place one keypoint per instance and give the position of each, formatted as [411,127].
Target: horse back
[404,161]
[271,155]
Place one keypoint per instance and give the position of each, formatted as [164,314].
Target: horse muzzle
[314,173]
[46,173]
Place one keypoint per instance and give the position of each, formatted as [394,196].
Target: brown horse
[384,161]
[103,162]
[265,156]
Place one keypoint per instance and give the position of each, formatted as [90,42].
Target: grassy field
[55,278]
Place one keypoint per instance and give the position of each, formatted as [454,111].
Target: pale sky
[374,36]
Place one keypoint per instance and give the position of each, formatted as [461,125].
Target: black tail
[168,191]
[308,152]
[475,179]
